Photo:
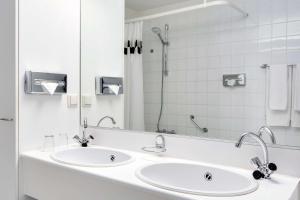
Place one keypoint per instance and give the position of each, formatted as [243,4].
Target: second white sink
[197,179]
[91,157]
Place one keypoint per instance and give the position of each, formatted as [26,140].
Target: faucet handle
[272,167]
[258,175]
[76,137]
[91,137]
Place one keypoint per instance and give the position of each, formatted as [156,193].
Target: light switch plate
[72,100]
[86,100]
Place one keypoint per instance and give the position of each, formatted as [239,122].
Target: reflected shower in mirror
[192,68]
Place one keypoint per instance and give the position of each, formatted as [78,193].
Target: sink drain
[112,158]
[208,176]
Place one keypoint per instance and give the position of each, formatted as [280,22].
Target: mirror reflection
[195,68]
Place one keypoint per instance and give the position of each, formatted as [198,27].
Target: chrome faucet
[84,140]
[160,145]
[264,169]
[267,130]
[106,117]
[160,142]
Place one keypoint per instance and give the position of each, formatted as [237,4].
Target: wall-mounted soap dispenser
[45,83]
[109,85]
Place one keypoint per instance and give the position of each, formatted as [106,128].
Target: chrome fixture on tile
[266,66]
[160,145]
[158,31]
[84,140]
[165,131]
[164,70]
[192,117]
[106,117]
[264,169]
[234,80]
[267,130]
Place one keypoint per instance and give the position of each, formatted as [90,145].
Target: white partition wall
[49,32]
[8,117]
[49,41]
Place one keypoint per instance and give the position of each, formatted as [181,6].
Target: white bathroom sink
[196,179]
[91,157]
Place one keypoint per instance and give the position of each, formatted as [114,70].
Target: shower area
[164,39]
[182,72]
[160,79]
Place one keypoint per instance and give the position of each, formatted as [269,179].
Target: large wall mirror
[216,70]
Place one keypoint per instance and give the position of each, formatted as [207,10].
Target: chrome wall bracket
[266,66]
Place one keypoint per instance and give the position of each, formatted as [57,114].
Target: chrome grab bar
[6,119]
[192,117]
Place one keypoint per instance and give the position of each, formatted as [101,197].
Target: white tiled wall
[208,43]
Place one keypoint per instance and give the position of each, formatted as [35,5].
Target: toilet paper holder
[35,80]
[109,85]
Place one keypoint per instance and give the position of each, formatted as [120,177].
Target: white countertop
[280,187]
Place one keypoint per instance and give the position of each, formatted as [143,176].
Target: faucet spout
[265,169]
[106,117]
[259,140]
[267,130]
[160,145]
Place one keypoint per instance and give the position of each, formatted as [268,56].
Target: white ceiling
[140,5]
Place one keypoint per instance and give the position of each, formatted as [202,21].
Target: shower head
[157,31]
